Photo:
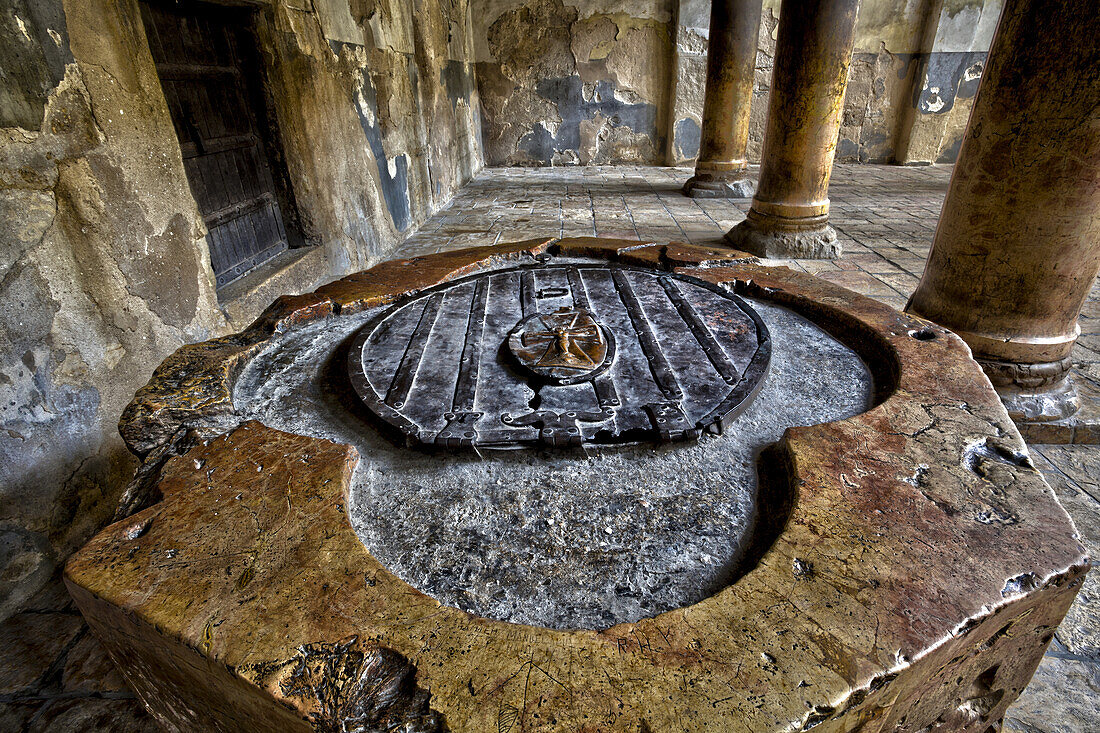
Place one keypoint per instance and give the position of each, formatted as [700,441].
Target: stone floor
[54,676]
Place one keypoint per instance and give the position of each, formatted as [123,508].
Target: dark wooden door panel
[197,51]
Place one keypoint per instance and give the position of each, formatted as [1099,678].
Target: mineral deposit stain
[688,136]
[457,79]
[574,106]
[392,172]
[949,76]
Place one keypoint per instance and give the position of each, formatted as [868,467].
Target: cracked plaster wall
[574,84]
[604,82]
[913,78]
[386,124]
[104,269]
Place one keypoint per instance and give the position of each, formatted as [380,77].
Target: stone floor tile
[896,302]
[32,643]
[1090,341]
[53,597]
[902,282]
[88,669]
[859,281]
[882,266]
[815,266]
[14,716]
[1083,354]
[1062,698]
[1061,465]
[1079,462]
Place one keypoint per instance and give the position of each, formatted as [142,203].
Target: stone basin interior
[578,538]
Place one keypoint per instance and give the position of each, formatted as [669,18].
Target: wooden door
[200,57]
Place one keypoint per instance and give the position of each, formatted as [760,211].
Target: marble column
[1018,242]
[721,169]
[790,211]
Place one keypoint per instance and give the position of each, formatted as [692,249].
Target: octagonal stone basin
[819,564]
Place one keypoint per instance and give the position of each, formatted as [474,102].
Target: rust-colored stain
[918,580]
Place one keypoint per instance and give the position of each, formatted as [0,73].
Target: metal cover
[560,354]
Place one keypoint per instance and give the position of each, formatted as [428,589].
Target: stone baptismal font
[580,484]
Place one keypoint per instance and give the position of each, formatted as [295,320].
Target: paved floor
[54,676]
[885,216]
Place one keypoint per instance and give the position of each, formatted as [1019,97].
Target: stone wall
[597,81]
[913,78]
[584,83]
[104,269]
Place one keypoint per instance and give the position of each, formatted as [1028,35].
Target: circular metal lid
[560,354]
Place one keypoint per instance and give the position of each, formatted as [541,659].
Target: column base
[1045,404]
[1082,427]
[707,186]
[1034,393]
[816,243]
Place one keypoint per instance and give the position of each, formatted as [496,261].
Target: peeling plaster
[521,44]
[568,86]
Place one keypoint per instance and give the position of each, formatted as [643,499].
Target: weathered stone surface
[55,675]
[379,117]
[920,575]
[715,188]
[89,670]
[790,209]
[107,715]
[561,87]
[1016,305]
[31,642]
[722,163]
[1061,698]
[52,598]
[1074,473]
[386,282]
[25,563]
[15,715]
[522,536]
[191,388]
[945,67]
[913,77]
[812,244]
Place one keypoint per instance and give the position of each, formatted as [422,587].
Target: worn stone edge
[193,387]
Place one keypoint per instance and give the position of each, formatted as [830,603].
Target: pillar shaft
[1018,242]
[790,211]
[722,167]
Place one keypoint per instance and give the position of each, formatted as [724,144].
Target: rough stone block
[912,569]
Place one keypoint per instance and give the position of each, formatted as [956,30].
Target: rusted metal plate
[563,347]
[560,354]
